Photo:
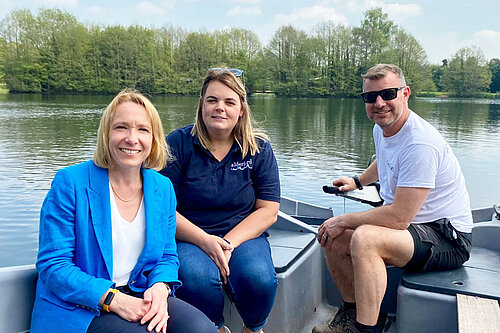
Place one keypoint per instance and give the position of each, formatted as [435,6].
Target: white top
[418,156]
[128,241]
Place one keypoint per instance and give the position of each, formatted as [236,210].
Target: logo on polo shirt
[235,166]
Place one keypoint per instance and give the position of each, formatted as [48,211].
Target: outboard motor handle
[332,189]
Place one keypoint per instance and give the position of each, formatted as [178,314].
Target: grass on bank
[443,94]
[3,88]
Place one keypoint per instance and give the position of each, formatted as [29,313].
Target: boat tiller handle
[331,189]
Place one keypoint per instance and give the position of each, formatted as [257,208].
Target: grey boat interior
[424,302]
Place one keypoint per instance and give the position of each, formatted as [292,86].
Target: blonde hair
[380,70]
[160,152]
[245,134]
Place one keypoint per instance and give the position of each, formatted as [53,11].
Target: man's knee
[340,247]
[364,239]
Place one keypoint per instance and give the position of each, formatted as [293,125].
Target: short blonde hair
[160,152]
[244,132]
[380,70]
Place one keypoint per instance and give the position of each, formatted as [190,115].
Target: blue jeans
[252,282]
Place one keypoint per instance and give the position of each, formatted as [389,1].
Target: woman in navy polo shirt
[226,180]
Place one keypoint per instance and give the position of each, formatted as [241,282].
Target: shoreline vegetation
[51,52]
[3,89]
[422,94]
[443,94]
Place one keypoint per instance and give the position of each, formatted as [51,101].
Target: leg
[186,318]
[183,318]
[371,248]
[253,282]
[109,322]
[338,258]
[339,262]
[202,286]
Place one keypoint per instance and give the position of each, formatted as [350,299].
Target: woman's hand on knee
[157,316]
[215,247]
[128,307]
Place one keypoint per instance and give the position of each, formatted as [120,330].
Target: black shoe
[344,319]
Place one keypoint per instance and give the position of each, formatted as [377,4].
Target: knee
[363,240]
[340,248]
[199,279]
[257,280]
[201,324]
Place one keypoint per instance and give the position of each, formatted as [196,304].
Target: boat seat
[479,276]
[288,246]
[425,299]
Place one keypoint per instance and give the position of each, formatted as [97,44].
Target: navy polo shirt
[215,195]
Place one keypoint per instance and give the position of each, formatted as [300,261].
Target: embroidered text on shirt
[242,165]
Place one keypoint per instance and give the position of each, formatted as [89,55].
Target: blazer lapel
[152,215]
[100,212]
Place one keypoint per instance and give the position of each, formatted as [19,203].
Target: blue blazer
[75,256]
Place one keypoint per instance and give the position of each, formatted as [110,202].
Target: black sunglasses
[386,94]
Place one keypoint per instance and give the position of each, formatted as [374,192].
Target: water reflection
[315,141]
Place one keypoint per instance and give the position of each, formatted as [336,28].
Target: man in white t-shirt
[425,223]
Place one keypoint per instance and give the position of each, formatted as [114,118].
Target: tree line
[52,52]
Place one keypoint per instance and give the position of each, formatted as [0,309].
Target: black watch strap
[357,182]
[108,299]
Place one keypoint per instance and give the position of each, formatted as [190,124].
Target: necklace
[133,198]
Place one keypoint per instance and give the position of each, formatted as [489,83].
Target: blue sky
[441,26]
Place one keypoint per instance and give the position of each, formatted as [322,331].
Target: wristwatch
[108,299]
[357,182]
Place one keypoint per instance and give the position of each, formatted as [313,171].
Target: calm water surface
[315,141]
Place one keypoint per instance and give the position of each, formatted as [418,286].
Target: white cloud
[58,3]
[147,8]
[398,11]
[95,10]
[306,18]
[243,11]
[489,42]
[488,35]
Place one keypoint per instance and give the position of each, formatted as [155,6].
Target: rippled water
[315,141]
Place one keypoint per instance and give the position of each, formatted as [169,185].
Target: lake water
[315,141]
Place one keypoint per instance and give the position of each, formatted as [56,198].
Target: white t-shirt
[128,241]
[418,156]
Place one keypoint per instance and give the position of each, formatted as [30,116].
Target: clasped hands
[153,308]
[220,252]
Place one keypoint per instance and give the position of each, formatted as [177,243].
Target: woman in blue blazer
[107,259]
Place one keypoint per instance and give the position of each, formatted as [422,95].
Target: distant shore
[443,94]
[431,94]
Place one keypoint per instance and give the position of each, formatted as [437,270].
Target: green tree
[287,53]
[437,74]
[63,44]
[339,66]
[406,52]
[467,73]
[3,47]
[52,52]
[22,70]
[495,75]
[373,36]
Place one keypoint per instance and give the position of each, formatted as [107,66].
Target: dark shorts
[438,246]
